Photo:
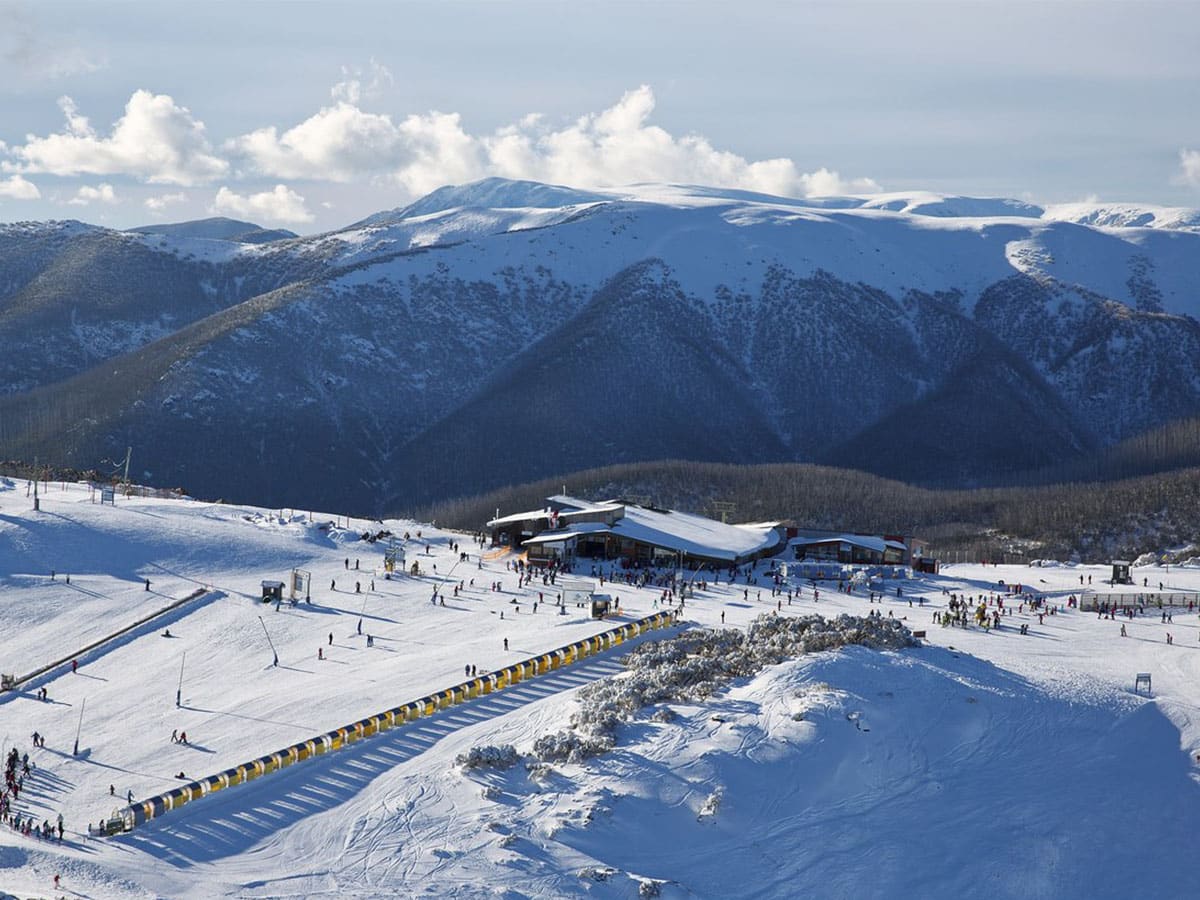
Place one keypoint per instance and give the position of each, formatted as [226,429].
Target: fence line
[1090,602]
[14,682]
[142,811]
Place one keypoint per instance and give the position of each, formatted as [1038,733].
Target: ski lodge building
[856,549]
[569,527]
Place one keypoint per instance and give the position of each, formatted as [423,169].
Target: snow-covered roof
[869,542]
[565,534]
[670,529]
[520,517]
[570,506]
[692,534]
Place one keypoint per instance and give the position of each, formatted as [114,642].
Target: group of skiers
[18,766]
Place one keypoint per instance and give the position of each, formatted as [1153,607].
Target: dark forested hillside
[1092,521]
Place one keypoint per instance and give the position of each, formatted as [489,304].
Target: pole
[179,690]
[79,730]
[268,634]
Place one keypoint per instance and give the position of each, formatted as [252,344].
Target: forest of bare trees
[1091,521]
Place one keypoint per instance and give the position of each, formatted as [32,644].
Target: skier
[175,736]
[320,653]
[331,639]
[506,643]
[183,737]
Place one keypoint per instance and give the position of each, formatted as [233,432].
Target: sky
[313,115]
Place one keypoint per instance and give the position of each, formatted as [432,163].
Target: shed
[601,605]
[1120,573]
[272,591]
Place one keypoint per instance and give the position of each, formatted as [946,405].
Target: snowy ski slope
[981,764]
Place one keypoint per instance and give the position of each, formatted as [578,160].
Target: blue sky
[311,115]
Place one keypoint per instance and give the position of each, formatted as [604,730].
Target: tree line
[1090,521]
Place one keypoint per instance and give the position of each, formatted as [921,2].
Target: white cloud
[352,90]
[18,188]
[423,151]
[1189,167]
[88,195]
[824,183]
[280,205]
[155,140]
[162,201]
[339,143]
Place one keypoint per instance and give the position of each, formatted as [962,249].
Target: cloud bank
[155,140]
[17,188]
[421,152]
[158,141]
[281,205]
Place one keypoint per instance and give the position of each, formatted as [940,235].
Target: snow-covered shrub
[539,771]
[711,804]
[488,757]
[663,714]
[571,746]
[697,663]
[597,873]
[649,889]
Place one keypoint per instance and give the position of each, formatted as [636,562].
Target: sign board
[108,495]
[577,592]
[393,556]
[301,582]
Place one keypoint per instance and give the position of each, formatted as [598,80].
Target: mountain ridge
[674,320]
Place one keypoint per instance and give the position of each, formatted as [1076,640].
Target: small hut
[1120,573]
[272,591]
[602,605]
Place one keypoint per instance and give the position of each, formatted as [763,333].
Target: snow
[1125,215]
[695,535]
[980,763]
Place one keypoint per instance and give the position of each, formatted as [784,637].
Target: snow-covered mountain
[221,229]
[942,339]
